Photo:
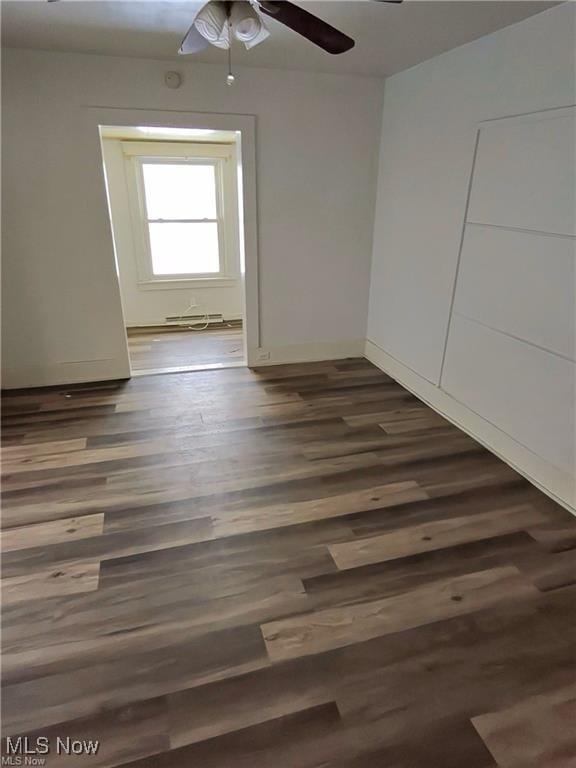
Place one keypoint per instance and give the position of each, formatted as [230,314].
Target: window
[182,218]
[185,211]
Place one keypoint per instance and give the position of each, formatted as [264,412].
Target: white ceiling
[389,38]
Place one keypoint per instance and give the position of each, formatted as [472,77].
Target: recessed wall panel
[526,392]
[521,283]
[525,173]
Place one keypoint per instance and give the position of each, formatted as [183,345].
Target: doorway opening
[175,202]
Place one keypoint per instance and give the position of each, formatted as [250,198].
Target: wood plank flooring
[300,567]
[151,350]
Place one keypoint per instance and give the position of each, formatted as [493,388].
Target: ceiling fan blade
[307,25]
[193,42]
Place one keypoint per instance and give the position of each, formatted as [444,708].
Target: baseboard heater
[177,320]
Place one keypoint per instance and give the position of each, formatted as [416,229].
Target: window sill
[183,283]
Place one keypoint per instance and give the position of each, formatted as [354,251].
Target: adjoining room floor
[152,350]
[298,567]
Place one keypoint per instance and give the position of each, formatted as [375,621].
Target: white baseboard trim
[559,485]
[305,353]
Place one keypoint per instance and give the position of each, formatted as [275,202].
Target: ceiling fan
[218,22]
[215,23]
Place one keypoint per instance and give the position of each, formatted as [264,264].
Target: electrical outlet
[262,355]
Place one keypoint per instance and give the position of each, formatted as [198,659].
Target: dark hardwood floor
[301,567]
[152,350]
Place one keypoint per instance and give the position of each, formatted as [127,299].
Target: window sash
[180,246]
[217,163]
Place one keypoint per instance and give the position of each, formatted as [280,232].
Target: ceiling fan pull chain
[230,77]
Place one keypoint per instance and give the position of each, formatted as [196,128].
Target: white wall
[508,370]
[146,306]
[317,144]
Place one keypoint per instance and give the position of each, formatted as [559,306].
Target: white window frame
[222,158]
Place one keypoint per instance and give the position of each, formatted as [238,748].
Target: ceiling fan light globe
[247,25]
[212,23]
